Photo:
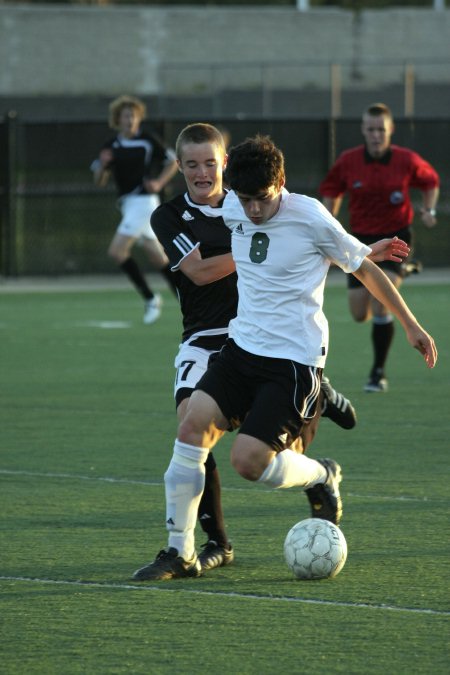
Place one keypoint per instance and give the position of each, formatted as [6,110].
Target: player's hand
[152,186]
[424,343]
[106,157]
[427,219]
[394,249]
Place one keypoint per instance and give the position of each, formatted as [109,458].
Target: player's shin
[184,482]
[288,468]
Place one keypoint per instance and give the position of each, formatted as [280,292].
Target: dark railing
[53,221]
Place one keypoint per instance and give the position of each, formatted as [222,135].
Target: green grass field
[87,424]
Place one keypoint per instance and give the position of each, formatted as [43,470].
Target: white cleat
[153,309]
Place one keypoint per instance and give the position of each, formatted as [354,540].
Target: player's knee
[187,431]
[360,315]
[192,430]
[118,256]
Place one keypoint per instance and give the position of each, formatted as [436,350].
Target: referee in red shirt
[377,177]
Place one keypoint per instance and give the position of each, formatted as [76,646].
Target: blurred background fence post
[8,193]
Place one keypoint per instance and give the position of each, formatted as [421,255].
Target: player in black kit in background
[141,166]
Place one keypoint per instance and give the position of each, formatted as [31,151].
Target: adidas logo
[187,216]
[170,522]
[239,229]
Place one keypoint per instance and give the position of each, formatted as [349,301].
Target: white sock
[382,319]
[288,468]
[184,481]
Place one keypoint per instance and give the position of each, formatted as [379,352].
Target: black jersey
[142,156]
[181,227]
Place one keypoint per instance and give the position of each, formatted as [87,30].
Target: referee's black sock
[131,269]
[210,512]
[382,335]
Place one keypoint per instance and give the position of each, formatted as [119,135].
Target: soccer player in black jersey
[198,245]
[141,166]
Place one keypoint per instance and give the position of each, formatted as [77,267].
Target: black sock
[131,269]
[382,336]
[170,278]
[210,512]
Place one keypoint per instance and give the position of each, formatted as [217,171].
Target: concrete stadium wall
[60,50]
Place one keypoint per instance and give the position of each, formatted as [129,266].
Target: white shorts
[190,363]
[136,211]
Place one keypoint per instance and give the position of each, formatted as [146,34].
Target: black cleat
[325,499]
[213,555]
[169,565]
[377,382]
[336,406]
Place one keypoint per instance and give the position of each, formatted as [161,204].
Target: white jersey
[282,267]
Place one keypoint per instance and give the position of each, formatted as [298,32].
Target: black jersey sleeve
[160,156]
[173,233]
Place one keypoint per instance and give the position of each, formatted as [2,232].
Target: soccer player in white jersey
[266,379]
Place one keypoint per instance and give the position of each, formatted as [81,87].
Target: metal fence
[55,222]
[306,89]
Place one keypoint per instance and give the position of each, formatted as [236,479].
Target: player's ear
[179,166]
[225,162]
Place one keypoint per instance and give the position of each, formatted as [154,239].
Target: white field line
[129,481]
[225,594]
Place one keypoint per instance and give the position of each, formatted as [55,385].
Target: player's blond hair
[125,101]
[199,132]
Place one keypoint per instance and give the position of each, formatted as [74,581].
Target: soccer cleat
[169,565]
[336,406]
[213,555]
[377,382]
[152,309]
[411,267]
[325,499]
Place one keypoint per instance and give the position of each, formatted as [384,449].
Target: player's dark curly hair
[199,132]
[255,165]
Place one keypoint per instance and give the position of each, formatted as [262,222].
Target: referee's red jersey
[378,190]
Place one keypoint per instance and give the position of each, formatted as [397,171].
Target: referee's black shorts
[368,239]
[267,398]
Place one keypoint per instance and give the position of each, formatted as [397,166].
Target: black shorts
[395,267]
[269,399]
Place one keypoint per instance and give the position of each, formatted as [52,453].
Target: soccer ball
[315,549]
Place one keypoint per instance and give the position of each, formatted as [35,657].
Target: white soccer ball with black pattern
[315,549]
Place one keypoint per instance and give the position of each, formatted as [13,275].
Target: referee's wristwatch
[432,212]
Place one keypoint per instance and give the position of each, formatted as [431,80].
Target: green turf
[87,424]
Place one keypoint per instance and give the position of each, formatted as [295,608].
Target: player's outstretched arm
[427,211]
[380,286]
[101,167]
[156,185]
[203,271]
[394,249]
